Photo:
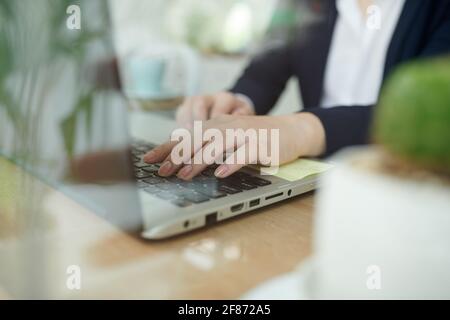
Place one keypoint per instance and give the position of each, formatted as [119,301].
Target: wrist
[247,101]
[309,134]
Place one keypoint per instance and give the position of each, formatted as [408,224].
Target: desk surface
[220,262]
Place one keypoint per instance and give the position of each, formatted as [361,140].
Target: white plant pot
[379,235]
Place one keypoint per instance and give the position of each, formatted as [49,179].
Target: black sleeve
[265,78]
[439,43]
[344,126]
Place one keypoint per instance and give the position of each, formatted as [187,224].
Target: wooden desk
[220,262]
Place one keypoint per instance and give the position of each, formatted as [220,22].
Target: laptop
[78,136]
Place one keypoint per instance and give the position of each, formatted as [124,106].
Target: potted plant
[382,228]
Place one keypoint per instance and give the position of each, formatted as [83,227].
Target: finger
[212,152]
[239,112]
[239,159]
[242,109]
[159,153]
[184,113]
[223,104]
[200,108]
[179,156]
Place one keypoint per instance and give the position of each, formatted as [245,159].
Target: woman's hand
[300,135]
[211,106]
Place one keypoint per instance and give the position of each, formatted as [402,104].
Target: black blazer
[423,30]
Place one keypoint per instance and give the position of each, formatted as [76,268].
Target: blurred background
[205,43]
[61,100]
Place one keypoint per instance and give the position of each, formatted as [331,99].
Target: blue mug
[146,76]
[162,72]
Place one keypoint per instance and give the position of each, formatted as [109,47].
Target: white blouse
[355,65]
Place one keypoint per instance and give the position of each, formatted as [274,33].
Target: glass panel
[63,120]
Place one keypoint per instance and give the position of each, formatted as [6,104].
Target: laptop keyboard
[200,189]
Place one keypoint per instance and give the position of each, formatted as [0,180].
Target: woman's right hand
[202,108]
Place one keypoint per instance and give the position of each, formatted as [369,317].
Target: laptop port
[254,203]
[274,196]
[237,207]
[211,219]
[186,224]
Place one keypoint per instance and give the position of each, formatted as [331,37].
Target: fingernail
[150,156]
[185,172]
[221,171]
[165,168]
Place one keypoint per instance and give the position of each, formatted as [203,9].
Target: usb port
[254,203]
[237,207]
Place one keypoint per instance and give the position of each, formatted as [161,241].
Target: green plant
[34,44]
[6,62]
[412,120]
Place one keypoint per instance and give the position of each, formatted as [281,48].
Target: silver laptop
[77,135]
[171,206]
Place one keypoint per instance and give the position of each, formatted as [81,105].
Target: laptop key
[175,180]
[195,197]
[241,175]
[139,174]
[166,186]
[209,189]
[154,180]
[257,181]
[239,184]
[141,184]
[208,182]
[177,190]
[245,185]
[141,165]
[190,185]
[137,152]
[213,193]
[209,172]
[165,195]
[152,189]
[229,189]
[150,168]
[182,203]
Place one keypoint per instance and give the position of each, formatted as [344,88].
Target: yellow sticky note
[298,169]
